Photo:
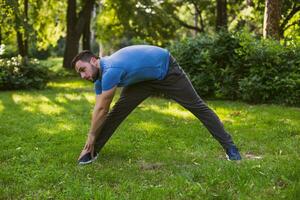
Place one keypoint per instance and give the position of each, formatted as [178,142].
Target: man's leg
[130,98]
[186,96]
[178,87]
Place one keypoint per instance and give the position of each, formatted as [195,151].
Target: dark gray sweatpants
[177,86]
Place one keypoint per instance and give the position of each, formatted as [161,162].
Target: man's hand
[89,146]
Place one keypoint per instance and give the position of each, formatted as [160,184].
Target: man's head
[87,65]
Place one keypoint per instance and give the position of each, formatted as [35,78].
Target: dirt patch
[235,113]
[252,156]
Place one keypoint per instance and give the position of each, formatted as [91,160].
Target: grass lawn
[161,151]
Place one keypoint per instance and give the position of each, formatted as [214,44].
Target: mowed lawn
[161,151]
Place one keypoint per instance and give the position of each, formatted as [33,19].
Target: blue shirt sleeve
[111,78]
[98,87]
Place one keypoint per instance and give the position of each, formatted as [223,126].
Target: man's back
[131,65]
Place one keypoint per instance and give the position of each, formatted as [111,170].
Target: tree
[75,28]
[22,36]
[195,10]
[19,17]
[271,19]
[221,21]
[49,22]
[122,23]
[32,24]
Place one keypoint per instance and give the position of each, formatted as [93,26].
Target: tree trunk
[86,35]
[272,19]
[25,29]
[0,36]
[21,46]
[72,43]
[75,27]
[22,37]
[196,17]
[221,21]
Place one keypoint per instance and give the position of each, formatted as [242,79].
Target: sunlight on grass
[172,109]
[222,112]
[90,98]
[78,84]
[1,106]
[64,98]
[175,110]
[50,129]
[37,103]
[149,127]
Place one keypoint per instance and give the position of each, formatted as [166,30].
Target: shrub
[193,54]
[228,70]
[15,73]
[211,63]
[274,74]
[239,66]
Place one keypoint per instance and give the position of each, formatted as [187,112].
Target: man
[142,70]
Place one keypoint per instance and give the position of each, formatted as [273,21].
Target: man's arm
[101,109]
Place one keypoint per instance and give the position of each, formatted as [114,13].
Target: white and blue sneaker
[87,159]
[233,153]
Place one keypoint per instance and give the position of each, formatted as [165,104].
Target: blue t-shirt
[131,65]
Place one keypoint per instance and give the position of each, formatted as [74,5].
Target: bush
[211,62]
[239,66]
[227,62]
[15,73]
[193,54]
[274,74]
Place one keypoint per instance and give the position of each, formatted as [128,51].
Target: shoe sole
[88,162]
[232,160]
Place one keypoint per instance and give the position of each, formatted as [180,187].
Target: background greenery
[16,73]
[239,66]
[226,57]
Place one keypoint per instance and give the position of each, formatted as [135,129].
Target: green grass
[161,151]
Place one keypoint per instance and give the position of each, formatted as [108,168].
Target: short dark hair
[85,55]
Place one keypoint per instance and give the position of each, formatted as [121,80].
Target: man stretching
[141,70]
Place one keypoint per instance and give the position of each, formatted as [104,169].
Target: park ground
[161,151]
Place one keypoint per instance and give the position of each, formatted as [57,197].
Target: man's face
[87,70]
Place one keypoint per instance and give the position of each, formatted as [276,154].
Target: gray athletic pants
[175,85]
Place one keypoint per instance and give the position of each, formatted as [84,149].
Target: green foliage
[43,28]
[211,63]
[48,22]
[54,65]
[274,74]
[239,66]
[15,73]
[121,23]
[194,55]
[226,62]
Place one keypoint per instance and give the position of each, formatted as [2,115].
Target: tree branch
[292,24]
[186,25]
[198,10]
[294,10]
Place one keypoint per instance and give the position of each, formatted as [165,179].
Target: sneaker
[87,158]
[233,153]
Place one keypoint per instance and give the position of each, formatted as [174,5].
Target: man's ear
[93,60]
